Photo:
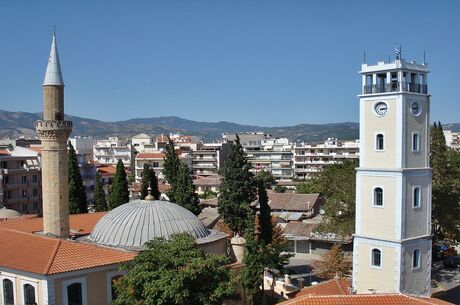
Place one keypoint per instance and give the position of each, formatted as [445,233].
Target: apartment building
[156,161]
[208,158]
[311,158]
[109,151]
[142,142]
[452,139]
[20,180]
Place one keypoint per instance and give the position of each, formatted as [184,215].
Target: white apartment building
[310,158]
[208,158]
[109,151]
[142,142]
[20,180]
[452,139]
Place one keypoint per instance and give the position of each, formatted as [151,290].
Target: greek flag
[397,51]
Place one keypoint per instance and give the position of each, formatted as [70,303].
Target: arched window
[416,200]
[416,259]
[379,142]
[378,196]
[8,292]
[376,258]
[113,280]
[74,294]
[29,295]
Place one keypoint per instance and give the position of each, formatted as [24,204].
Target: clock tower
[392,243]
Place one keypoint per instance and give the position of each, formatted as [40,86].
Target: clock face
[415,108]
[381,108]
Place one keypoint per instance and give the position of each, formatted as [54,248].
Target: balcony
[396,87]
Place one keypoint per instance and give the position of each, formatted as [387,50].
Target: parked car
[451,262]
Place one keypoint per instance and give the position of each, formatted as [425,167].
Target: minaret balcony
[53,129]
[396,87]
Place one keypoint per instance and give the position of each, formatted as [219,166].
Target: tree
[337,184]
[100,203]
[307,187]
[149,179]
[172,162]
[183,190]
[175,272]
[445,191]
[119,193]
[280,189]
[252,273]
[236,191]
[266,177]
[265,218]
[333,263]
[77,194]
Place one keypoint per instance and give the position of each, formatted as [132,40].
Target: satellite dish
[321,211]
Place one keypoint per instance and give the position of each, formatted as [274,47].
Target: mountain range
[16,124]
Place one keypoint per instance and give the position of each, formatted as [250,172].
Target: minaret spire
[53,75]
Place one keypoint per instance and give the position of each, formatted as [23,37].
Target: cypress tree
[172,162]
[236,192]
[149,178]
[252,274]
[77,195]
[119,193]
[100,203]
[183,190]
[265,218]
[445,194]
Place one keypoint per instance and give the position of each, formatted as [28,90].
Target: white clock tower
[392,244]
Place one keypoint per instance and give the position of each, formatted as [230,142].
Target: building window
[34,178]
[74,294]
[24,179]
[8,292]
[29,295]
[24,193]
[379,142]
[376,258]
[416,259]
[35,192]
[378,197]
[415,142]
[416,197]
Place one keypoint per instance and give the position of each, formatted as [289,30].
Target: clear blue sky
[269,63]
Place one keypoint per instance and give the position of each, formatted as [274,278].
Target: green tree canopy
[172,162]
[265,218]
[337,183]
[445,191]
[119,193]
[77,194]
[175,272]
[280,189]
[183,190]
[266,177]
[149,178]
[100,202]
[236,191]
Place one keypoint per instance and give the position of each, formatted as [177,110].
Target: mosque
[74,259]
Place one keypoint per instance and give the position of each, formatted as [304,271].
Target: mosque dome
[133,224]
[7,213]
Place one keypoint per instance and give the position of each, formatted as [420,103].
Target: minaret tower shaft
[392,243]
[54,132]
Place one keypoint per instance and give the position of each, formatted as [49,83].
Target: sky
[266,63]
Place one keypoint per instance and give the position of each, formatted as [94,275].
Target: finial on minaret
[149,197]
[53,75]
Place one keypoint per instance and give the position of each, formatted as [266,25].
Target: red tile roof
[4,152]
[150,156]
[336,292]
[45,255]
[80,224]
[299,229]
[107,170]
[293,202]
[37,149]
[364,299]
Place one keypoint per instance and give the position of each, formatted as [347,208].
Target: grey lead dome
[134,223]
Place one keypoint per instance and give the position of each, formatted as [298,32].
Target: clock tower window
[379,142]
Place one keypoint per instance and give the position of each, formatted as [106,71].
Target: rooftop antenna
[398,51]
[364,58]
[54,30]
[424,59]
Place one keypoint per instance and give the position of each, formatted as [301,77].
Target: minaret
[54,132]
[392,243]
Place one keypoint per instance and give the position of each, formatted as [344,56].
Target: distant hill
[15,124]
